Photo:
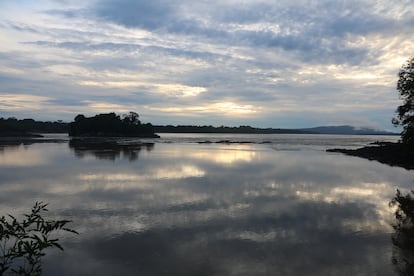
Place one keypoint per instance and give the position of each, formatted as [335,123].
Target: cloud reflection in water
[181,210]
[227,155]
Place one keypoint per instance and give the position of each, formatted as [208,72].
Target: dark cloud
[158,16]
[243,13]
[144,14]
[310,48]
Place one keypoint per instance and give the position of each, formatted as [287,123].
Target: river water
[209,204]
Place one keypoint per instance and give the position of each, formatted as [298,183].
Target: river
[210,204]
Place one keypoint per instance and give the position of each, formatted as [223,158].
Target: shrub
[22,243]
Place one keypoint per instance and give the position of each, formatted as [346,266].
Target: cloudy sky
[292,63]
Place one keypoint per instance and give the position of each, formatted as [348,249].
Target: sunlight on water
[226,155]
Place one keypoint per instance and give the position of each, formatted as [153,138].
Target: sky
[287,64]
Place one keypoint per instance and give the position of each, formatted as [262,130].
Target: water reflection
[307,238]
[228,154]
[18,155]
[108,149]
[403,237]
[179,211]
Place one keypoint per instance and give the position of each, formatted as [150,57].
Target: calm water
[278,206]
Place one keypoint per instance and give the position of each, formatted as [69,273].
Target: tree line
[12,126]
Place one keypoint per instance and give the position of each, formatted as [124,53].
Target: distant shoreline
[326,130]
[12,127]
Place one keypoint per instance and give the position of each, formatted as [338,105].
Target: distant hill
[225,129]
[347,130]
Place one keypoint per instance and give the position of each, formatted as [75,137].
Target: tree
[132,118]
[79,117]
[405,112]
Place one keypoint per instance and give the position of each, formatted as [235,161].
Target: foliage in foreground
[22,243]
[403,237]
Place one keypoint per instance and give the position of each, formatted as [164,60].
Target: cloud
[141,13]
[218,109]
[289,59]
[21,101]
[318,31]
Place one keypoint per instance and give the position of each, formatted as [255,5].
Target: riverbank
[393,154]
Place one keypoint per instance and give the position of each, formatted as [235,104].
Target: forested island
[111,125]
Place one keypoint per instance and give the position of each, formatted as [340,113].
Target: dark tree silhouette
[27,127]
[131,119]
[80,118]
[23,242]
[405,112]
[403,237]
[110,125]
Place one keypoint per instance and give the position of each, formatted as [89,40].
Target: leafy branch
[22,243]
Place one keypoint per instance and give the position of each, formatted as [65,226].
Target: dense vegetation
[25,127]
[405,112]
[110,125]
